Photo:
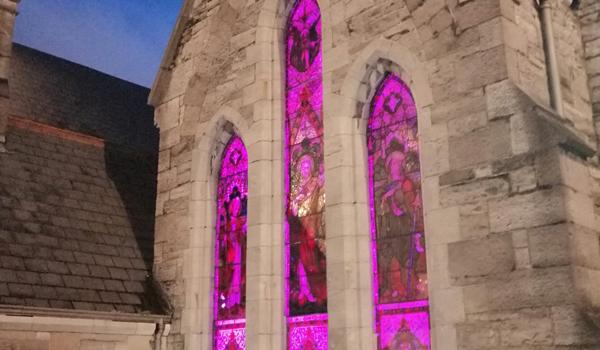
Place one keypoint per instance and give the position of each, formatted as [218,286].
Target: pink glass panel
[230,254]
[404,329]
[398,237]
[307,332]
[231,337]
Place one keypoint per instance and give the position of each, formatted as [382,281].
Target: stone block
[481,257]
[459,106]
[479,335]
[454,177]
[584,246]
[167,114]
[423,12]
[474,220]
[490,33]
[504,98]
[527,210]
[442,225]
[62,341]
[481,68]
[572,328]
[523,179]
[97,345]
[447,306]
[575,173]
[531,288]
[435,154]
[466,124]
[167,180]
[476,299]
[475,191]
[532,327]
[490,143]
[580,209]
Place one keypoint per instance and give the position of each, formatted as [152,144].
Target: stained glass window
[398,242]
[306,283]
[230,265]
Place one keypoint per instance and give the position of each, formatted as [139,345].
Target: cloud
[124,39]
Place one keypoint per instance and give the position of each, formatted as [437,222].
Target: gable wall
[476,68]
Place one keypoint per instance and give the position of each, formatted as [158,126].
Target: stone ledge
[23,312]
[567,137]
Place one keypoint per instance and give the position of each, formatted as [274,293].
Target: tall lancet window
[400,270]
[305,205]
[230,255]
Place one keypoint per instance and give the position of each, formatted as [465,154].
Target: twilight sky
[124,38]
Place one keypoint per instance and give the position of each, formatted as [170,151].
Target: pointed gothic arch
[229,298]
[401,292]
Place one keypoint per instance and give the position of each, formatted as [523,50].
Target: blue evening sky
[124,38]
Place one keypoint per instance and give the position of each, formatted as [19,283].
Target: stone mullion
[265,323]
[349,268]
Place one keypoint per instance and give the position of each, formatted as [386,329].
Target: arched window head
[306,281]
[398,237]
[230,265]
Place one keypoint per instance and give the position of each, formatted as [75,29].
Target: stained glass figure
[399,254]
[305,237]
[230,266]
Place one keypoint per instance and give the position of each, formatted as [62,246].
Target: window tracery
[397,226]
[230,254]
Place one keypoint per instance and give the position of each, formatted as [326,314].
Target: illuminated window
[398,242]
[230,265]
[306,287]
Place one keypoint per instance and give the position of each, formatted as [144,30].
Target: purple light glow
[306,282]
[307,332]
[404,331]
[231,338]
[397,229]
[230,256]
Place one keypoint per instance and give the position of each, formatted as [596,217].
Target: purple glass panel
[307,332]
[230,254]
[304,60]
[399,254]
[404,327]
[230,336]
[306,286]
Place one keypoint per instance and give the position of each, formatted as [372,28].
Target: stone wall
[8,11]
[572,67]
[499,209]
[52,333]
[590,22]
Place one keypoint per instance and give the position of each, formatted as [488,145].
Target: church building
[336,175]
[380,174]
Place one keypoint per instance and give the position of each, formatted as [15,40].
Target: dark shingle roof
[56,92]
[76,224]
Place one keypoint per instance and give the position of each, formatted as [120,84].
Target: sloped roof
[54,91]
[77,190]
[76,224]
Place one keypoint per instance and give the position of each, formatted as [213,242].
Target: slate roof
[54,91]
[77,212]
[76,225]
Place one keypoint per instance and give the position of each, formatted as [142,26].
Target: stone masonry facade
[590,29]
[511,189]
